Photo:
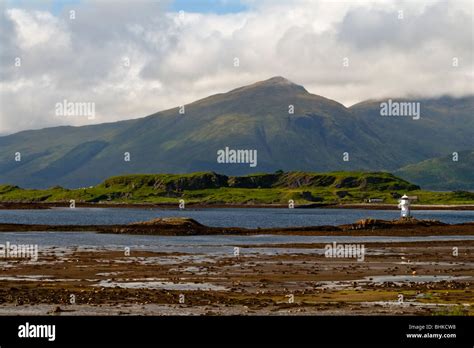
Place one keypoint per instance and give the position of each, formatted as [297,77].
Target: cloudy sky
[133,58]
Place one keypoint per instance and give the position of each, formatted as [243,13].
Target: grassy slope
[443,172]
[209,187]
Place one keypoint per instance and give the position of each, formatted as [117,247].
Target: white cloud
[38,28]
[176,60]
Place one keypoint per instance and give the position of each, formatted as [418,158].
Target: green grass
[453,311]
[443,172]
[209,187]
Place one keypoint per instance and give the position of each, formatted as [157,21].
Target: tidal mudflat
[247,275]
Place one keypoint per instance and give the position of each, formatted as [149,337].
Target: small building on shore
[374,200]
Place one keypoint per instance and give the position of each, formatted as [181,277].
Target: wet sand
[107,282]
[423,277]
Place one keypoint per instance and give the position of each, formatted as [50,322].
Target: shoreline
[368,206]
[190,227]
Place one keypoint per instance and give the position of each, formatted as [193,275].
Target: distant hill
[446,125]
[443,173]
[213,188]
[210,187]
[313,138]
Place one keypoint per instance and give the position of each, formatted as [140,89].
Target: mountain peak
[276,82]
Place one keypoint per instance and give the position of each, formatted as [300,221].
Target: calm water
[250,218]
[201,245]
[232,217]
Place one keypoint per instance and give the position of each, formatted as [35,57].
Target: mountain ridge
[312,138]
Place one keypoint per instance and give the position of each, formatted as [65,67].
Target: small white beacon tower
[404,205]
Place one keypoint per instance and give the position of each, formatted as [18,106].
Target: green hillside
[443,173]
[313,138]
[213,188]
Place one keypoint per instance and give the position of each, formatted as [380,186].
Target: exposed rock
[253,181]
[412,222]
[349,182]
[342,194]
[169,221]
[309,197]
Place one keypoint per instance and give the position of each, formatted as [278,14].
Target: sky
[134,58]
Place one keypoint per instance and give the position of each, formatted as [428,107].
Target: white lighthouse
[404,205]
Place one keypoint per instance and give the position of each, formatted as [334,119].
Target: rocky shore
[422,278]
[293,278]
[187,227]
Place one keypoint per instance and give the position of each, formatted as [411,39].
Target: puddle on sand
[25,277]
[41,278]
[164,260]
[343,284]
[108,274]
[411,303]
[410,278]
[160,285]
[435,263]
[193,269]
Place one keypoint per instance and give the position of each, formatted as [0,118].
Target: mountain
[443,173]
[446,125]
[254,117]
